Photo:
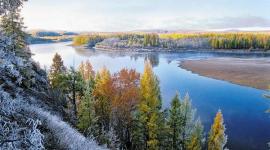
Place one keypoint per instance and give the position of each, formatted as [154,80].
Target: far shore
[158,49]
[248,72]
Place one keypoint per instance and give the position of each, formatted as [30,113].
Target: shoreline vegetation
[237,42]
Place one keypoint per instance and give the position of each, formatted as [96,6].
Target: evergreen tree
[86,112]
[183,131]
[149,114]
[175,124]
[12,26]
[74,86]
[57,71]
[217,138]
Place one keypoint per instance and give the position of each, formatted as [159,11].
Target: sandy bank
[249,72]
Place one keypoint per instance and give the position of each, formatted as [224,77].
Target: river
[243,108]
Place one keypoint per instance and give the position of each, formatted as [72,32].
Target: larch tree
[195,141]
[187,115]
[86,70]
[82,68]
[125,100]
[149,110]
[217,138]
[103,92]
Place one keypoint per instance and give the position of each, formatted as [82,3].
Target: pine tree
[57,71]
[149,114]
[217,138]
[74,86]
[12,26]
[86,112]
[183,130]
[175,124]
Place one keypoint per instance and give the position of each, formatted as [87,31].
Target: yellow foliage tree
[149,108]
[217,137]
[102,94]
[86,70]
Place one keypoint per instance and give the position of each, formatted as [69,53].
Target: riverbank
[248,72]
[158,49]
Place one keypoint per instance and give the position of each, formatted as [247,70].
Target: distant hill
[45,33]
[44,36]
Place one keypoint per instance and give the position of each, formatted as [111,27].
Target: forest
[211,40]
[124,110]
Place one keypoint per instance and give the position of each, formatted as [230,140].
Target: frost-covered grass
[16,130]
[68,137]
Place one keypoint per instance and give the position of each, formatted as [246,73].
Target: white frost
[67,136]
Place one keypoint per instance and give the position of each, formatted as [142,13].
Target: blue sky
[128,15]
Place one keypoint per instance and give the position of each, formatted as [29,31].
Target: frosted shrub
[16,130]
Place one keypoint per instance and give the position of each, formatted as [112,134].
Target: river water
[243,108]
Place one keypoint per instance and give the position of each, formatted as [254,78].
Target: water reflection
[243,107]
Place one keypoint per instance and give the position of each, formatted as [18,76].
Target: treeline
[92,39]
[151,40]
[40,33]
[177,36]
[240,40]
[89,40]
[124,110]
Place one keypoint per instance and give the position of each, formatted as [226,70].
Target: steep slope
[27,118]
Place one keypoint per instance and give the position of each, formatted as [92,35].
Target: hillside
[29,116]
